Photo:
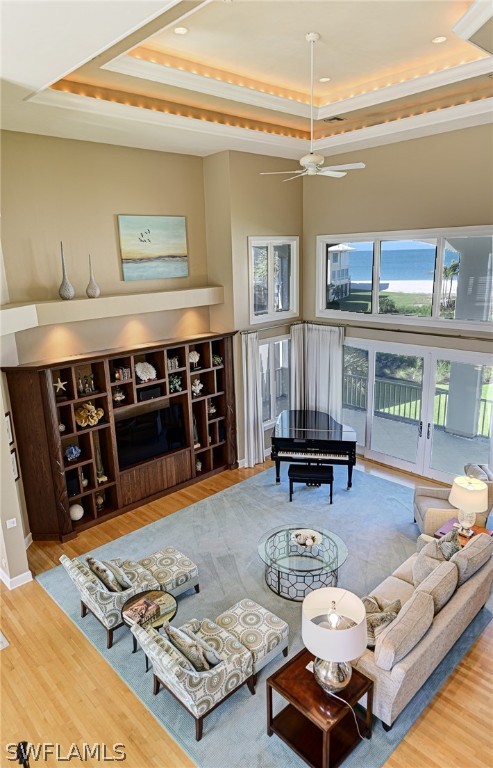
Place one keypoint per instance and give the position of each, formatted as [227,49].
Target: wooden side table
[447,527]
[317,726]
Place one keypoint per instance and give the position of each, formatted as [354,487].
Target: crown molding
[474,18]
[145,70]
[441,121]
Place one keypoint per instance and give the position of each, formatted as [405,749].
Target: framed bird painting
[153,247]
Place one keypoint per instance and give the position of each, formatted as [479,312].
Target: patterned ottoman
[173,570]
[262,632]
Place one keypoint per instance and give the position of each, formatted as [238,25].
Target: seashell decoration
[145,371]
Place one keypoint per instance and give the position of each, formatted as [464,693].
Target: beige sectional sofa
[434,614]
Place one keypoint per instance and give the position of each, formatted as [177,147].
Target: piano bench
[311,475]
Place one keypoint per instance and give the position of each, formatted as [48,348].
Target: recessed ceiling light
[324,79]
[180,30]
[440,39]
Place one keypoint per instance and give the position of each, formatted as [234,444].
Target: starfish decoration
[59,385]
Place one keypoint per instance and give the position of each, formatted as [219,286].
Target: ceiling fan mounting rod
[312,38]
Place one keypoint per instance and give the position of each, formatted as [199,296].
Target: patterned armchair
[198,692]
[168,570]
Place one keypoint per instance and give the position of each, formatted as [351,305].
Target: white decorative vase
[66,290]
[92,290]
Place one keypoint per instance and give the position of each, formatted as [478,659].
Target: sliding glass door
[428,412]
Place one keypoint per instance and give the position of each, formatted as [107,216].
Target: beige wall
[438,181]
[72,191]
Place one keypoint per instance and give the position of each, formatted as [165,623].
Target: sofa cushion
[405,570]
[423,566]
[104,574]
[379,614]
[188,646]
[441,583]
[487,471]
[391,589]
[406,631]
[473,556]
[432,502]
[444,547]
[477,471]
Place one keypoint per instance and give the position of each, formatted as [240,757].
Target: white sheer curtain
[254,428]
[316,368]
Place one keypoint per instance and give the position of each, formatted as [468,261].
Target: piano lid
[311,425]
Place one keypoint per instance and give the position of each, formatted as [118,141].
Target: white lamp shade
[333,644]
[469,494]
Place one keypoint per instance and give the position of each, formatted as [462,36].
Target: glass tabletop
[297,549]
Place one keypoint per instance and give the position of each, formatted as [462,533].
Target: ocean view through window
[444,277]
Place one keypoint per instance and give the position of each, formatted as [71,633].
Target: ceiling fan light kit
[312,163]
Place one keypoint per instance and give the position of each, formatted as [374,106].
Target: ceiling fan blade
[276,173]
[347,167]
[300,174]
[330,172]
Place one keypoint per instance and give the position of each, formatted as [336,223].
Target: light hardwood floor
[57,688]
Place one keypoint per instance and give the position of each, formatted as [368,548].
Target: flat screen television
[149,434]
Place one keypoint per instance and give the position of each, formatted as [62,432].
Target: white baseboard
[28,540]
[17,581]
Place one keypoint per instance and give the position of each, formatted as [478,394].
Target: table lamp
[470,495]
[333,628]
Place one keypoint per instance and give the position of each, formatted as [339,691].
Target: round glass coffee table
[293,568]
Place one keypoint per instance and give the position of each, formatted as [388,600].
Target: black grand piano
[312,437]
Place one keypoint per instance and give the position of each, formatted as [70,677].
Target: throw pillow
[441,583]
[423,566]
[119,574]
[398,639]
[210,653]
[188,647]
[473,556]
[104,574]
[379,614]
[475,470]
[487,471]
[444,547]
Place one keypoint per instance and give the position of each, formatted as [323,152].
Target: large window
[274,374]
[273,278]
[443,276]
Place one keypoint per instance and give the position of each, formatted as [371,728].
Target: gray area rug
[221,533]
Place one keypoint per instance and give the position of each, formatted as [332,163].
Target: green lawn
[405,303]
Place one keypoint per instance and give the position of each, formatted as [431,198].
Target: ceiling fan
[312,164]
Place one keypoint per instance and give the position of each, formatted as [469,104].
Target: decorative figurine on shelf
[72,452]
[175,383]
[198,465]
[99,499]
[217,360]
[61,427]
[118,395]
[196,442]
[211,408]
[92,384]
[87,386]
[101,477]
[80,385]
[87,415]
[194,358]
[173,363]
[196,387]
[84,480]
[145,371]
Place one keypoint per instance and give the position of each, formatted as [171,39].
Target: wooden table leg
[269,710]
[369,712]
[326,749]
